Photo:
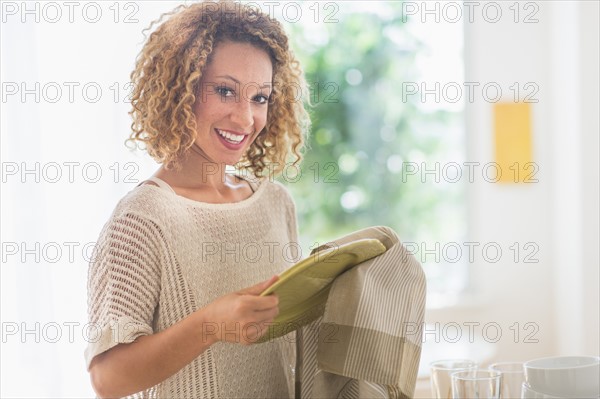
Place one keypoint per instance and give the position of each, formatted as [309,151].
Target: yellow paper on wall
[512,130]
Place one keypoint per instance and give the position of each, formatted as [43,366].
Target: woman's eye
[261,99]
[224,91]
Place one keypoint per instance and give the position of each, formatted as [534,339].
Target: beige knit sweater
[162,256]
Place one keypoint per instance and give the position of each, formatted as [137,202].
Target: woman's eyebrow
[238,82]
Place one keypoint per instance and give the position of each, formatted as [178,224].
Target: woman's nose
[242,114]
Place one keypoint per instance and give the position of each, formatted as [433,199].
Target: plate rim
[309,261]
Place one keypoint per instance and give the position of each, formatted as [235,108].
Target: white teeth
[234,138]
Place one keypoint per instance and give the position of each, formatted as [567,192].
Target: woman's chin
[219,157]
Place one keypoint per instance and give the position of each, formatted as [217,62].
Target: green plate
[304,287]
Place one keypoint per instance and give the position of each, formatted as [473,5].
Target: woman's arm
[129,368]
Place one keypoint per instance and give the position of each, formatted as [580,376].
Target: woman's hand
[241,317]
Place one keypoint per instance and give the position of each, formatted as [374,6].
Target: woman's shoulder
[279,194]
[271,186]
[145,201]
[264,183]
[136,217]
[282,189]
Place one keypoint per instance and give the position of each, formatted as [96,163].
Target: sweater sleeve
[123,283]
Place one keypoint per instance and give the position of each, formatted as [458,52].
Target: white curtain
[65,70]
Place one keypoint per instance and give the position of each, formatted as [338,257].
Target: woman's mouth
[231,140]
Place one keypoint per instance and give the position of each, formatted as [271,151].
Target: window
[388,132]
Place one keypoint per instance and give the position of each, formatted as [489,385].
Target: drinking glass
[441,385]
[476,384]
[511,381]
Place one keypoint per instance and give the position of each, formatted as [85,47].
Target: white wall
[559,295]
[576,230]
[590,128]
[559,214]
[503,53]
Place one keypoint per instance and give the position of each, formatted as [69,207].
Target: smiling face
[231,107]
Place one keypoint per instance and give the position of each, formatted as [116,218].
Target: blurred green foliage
[364,132]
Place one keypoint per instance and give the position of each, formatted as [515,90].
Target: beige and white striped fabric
[367,343]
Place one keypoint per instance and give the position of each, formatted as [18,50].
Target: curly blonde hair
[167,75]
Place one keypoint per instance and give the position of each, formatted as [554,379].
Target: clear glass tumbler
[513,376]
[476,384]
[441,384]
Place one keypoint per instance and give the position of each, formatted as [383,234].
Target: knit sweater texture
[162,256]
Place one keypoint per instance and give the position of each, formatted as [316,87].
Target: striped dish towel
[367,343]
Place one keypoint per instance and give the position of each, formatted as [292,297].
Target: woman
[174,286]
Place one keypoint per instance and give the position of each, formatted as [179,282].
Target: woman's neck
[197,171]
